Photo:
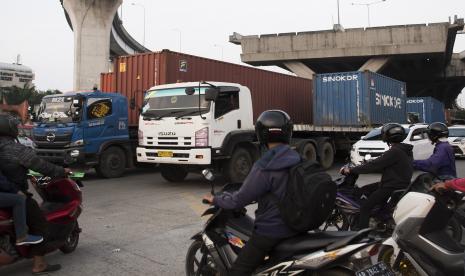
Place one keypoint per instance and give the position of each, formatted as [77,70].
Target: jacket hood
[408,149]
[279,158]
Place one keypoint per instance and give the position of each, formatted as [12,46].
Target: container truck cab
[189,126]
[85,129]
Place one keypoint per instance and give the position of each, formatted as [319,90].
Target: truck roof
[193,84]
[83,93]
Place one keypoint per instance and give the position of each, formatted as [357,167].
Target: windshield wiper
[188,113]
[148,116]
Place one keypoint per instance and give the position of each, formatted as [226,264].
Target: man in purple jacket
[268,175]
[442,162]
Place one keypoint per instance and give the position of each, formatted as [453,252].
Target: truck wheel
[327,155]
[308,151]
[239,166]
[112,163]
[173,173]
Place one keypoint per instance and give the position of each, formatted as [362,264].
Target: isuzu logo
[167,133]
[340,78]
[51,137]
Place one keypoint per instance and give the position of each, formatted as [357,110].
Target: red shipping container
[133,75]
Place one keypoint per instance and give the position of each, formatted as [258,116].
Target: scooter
[216,247]
[420,244]
[62,199]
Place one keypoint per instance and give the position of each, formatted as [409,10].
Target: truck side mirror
[190,91]
[211,94]
[76,103]
[132,103]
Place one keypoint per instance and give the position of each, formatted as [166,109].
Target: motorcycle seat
[309,241]
[49,207]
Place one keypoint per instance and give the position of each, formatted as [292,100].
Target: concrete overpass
[420,54]
[99,36]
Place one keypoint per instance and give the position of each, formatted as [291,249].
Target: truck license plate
[165,154]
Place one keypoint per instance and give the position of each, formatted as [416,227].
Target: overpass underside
[421,55]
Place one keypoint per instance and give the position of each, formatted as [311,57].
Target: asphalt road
[136,225]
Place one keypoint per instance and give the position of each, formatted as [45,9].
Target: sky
[39,32]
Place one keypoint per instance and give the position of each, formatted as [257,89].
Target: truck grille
[59,141]
[170,141]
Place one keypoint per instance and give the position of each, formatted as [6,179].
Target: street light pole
[338,17]
[368,8]
[143,7]
[180,40]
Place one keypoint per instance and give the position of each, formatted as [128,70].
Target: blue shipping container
[426,109]
[357,99]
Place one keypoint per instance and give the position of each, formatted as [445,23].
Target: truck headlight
[74,153]
[140,136]
[201,137]
[77,143]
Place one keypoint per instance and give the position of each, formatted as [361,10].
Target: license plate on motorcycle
[379,269]
[165,154]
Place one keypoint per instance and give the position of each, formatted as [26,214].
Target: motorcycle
[61,206]
[354,189]
[216,247]
[420,244]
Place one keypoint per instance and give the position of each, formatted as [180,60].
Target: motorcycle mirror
[367,157]
[208,174]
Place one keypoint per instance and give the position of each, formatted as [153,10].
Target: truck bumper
[175,156]
[68,156]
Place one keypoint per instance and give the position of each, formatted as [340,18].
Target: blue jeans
[18,204]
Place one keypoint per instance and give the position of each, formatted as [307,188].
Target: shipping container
[357,99]
[425,110]
[133,75]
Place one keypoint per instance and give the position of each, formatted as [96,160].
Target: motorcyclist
[442,162]
[396,168]
[15,160]
[268,175]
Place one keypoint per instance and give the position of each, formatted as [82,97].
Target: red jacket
[456,184]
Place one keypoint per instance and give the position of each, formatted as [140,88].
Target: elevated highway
[421,54]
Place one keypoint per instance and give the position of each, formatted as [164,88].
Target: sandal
[48,269]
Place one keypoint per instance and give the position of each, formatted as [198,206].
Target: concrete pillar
[300,69]
[91,21]
[374,64]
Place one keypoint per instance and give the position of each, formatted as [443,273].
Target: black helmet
[8,126]
[274,126]
[393,133]
[437,130]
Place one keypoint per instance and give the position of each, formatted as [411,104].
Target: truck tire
[238,167]
[173,173]
[326,155]
[112,163]
[308,151]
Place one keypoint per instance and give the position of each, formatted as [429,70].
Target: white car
[457,139]
[373,145]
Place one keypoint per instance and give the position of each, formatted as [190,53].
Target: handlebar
[72,175]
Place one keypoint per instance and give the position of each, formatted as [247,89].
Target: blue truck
[86,129]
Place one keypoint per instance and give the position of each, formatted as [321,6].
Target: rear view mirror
[208,174]
[190,91]
[76,103]
[211,94]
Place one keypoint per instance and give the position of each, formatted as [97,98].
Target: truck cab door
[227,117]
[102,122]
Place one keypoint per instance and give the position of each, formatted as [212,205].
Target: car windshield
[174,102]
[375,134]
[56,109]
[456,132]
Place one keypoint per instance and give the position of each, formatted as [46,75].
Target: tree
[15,95]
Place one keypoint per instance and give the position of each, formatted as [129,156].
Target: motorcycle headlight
[201,137]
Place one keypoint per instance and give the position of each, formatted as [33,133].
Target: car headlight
[201,137]
[462,142]
[77,143]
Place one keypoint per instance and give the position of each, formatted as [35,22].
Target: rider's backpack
[310,197]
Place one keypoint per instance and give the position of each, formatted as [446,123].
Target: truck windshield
[375,134]
[56,109]
[174,102]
